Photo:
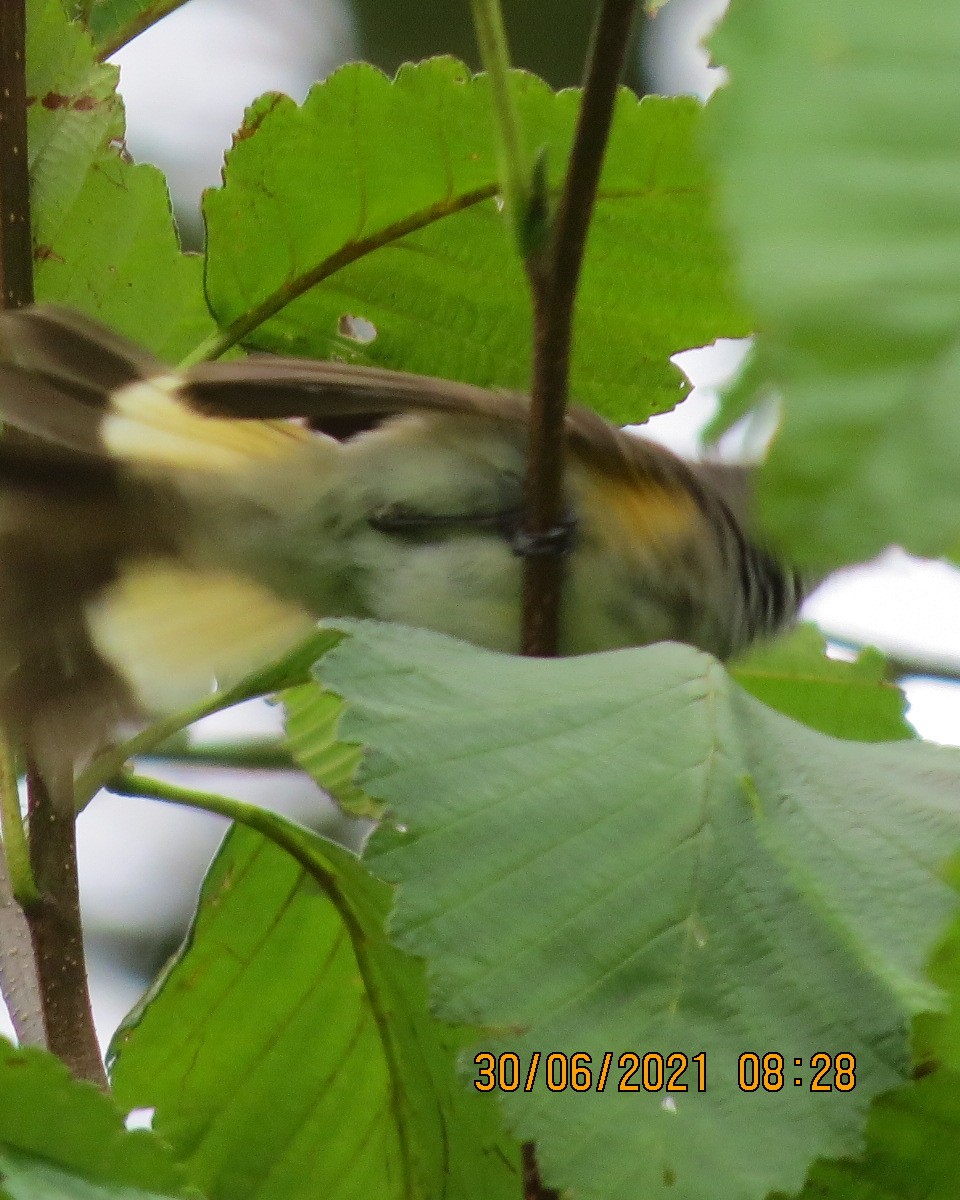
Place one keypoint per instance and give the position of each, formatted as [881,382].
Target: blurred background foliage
[547,38]
[187,79]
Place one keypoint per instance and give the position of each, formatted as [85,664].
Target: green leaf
[625,851]
[312,719]
[938,1034]
[60,1138]
[913,1135]
[73,111]
[114,22]
[850,700]
[838,154]
[103,232]
[381,195]
[288,1050]
[913,1149]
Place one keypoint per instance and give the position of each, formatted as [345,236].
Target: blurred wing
[336,398]
[80,354]
[71,381]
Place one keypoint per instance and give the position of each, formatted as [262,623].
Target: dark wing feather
[58,369]
[69,523]
[35,404]
[339,399]
[76,351]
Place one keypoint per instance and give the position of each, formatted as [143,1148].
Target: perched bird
[164,531]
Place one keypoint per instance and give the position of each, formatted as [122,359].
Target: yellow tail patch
[176,633]
[147,423]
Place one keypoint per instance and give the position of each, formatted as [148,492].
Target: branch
[57,933]
[113,759]
[50,899]
[553,269]
[901,662]
[554,275]
[255,753]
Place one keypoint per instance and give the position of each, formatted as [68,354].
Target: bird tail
[106,607]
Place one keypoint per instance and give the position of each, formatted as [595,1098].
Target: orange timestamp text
[631,1071]
[580,1072]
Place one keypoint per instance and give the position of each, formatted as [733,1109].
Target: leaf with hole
[64,1140]
[374,202]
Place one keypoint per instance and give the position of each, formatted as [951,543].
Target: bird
[166,532]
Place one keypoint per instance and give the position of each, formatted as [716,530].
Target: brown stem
[53,918]
[18,975]
[533,1188]
[16,251]
[57,934]
[553,280]
[554,275]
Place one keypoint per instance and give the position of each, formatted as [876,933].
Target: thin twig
[495,56]
[900,662]
[553,268]
[113,759]
[254,754]
[16,852]
[283,833]
[554,276]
